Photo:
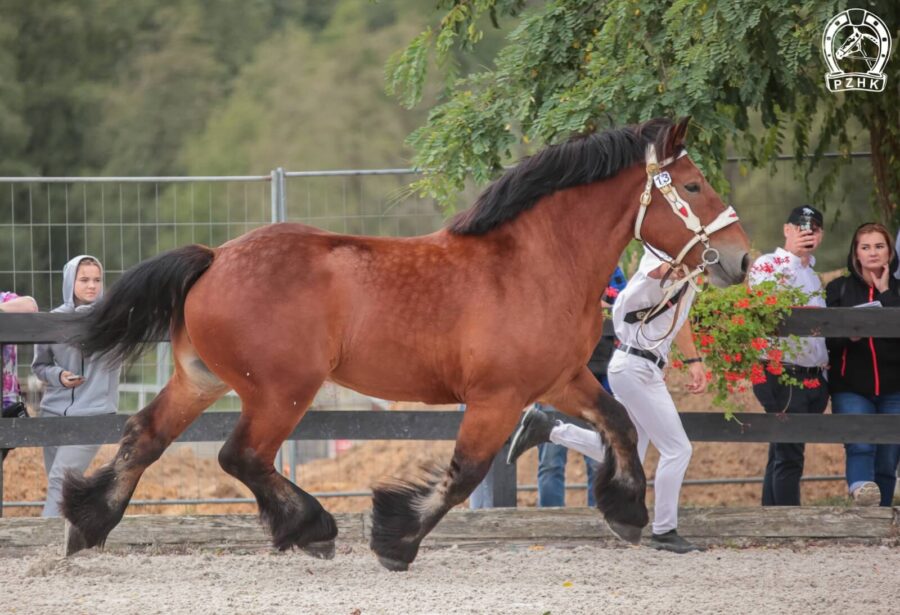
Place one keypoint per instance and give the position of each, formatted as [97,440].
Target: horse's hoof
[394,565]
[74,539]
[323,549]
[628,533]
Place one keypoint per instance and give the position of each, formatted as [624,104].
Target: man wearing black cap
[793,266]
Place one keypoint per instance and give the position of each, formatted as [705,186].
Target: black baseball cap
[800,214]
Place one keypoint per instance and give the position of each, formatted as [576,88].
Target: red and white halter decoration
[663,182]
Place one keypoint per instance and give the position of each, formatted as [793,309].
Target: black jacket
[869,366]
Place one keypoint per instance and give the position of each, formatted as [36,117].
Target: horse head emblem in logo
[857,45]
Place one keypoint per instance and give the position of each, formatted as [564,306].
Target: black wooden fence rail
[443,425]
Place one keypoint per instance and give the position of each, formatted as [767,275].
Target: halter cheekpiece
[663,182]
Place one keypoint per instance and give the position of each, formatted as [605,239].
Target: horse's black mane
[580,160]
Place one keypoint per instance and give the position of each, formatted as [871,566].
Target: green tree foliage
[311,100]
[164,95]
[102,86]
[54,57]
[580,65]
[14,131]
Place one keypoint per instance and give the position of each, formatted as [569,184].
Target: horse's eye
[692,187]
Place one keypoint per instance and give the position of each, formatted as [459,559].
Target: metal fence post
[278,215]
[279,212]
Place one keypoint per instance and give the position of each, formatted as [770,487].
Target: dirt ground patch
[584,579]
[182,474]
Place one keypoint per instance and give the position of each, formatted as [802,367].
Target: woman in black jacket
[864,373]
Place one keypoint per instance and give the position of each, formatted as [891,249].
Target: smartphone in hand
[73,379]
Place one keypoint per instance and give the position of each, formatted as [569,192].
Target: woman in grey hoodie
[75,385]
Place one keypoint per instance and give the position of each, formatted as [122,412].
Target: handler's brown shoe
[534,429]
[671,541]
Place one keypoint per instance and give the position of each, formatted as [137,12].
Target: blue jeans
[552,468]
[870,462]
[483,495]
[552,474]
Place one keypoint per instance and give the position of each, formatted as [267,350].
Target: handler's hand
[697,384]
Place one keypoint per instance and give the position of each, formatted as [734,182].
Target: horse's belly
[395,384]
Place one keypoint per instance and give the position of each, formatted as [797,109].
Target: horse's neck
[585,228]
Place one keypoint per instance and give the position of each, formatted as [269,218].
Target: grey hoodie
[99,393]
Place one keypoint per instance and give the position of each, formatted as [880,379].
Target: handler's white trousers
[639,385]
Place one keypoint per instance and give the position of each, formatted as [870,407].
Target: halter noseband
[663,182]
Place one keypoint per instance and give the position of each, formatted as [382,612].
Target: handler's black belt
[644,354]
[638,315]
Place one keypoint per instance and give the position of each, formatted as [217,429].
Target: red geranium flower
[757,375]
[759,343]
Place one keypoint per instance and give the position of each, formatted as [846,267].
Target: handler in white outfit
[636,378]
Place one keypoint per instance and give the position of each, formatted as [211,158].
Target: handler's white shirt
[811,350]
[643,292]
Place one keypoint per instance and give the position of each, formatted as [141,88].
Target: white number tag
[662,179]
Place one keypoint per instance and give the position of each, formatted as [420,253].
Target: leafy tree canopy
[581,65]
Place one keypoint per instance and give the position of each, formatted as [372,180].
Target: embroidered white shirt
[782,264]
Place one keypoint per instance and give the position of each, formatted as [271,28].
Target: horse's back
[288,295]
[399,318]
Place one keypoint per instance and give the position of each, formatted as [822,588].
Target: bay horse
[499,309]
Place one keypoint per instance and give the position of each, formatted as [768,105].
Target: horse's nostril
[745,263]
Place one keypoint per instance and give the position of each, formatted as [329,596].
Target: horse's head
[682,215]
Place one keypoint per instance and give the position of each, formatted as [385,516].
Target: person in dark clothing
[864,373]
[792,266]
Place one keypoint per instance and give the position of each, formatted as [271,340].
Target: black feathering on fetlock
[621,498]
[85,504]
[292,525]
[396,520]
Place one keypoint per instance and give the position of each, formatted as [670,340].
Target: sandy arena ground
[507,579]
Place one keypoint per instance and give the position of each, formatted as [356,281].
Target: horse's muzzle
[731,268]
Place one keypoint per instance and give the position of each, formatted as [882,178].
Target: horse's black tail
[139,308]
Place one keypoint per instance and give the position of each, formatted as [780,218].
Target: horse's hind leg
[95,504]
[404,512]
[295,518]
[620,485]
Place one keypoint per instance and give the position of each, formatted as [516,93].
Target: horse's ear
[677,135]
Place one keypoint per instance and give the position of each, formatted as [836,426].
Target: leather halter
[663,182]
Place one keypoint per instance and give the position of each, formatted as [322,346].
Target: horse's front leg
[620,485]
[405,511]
